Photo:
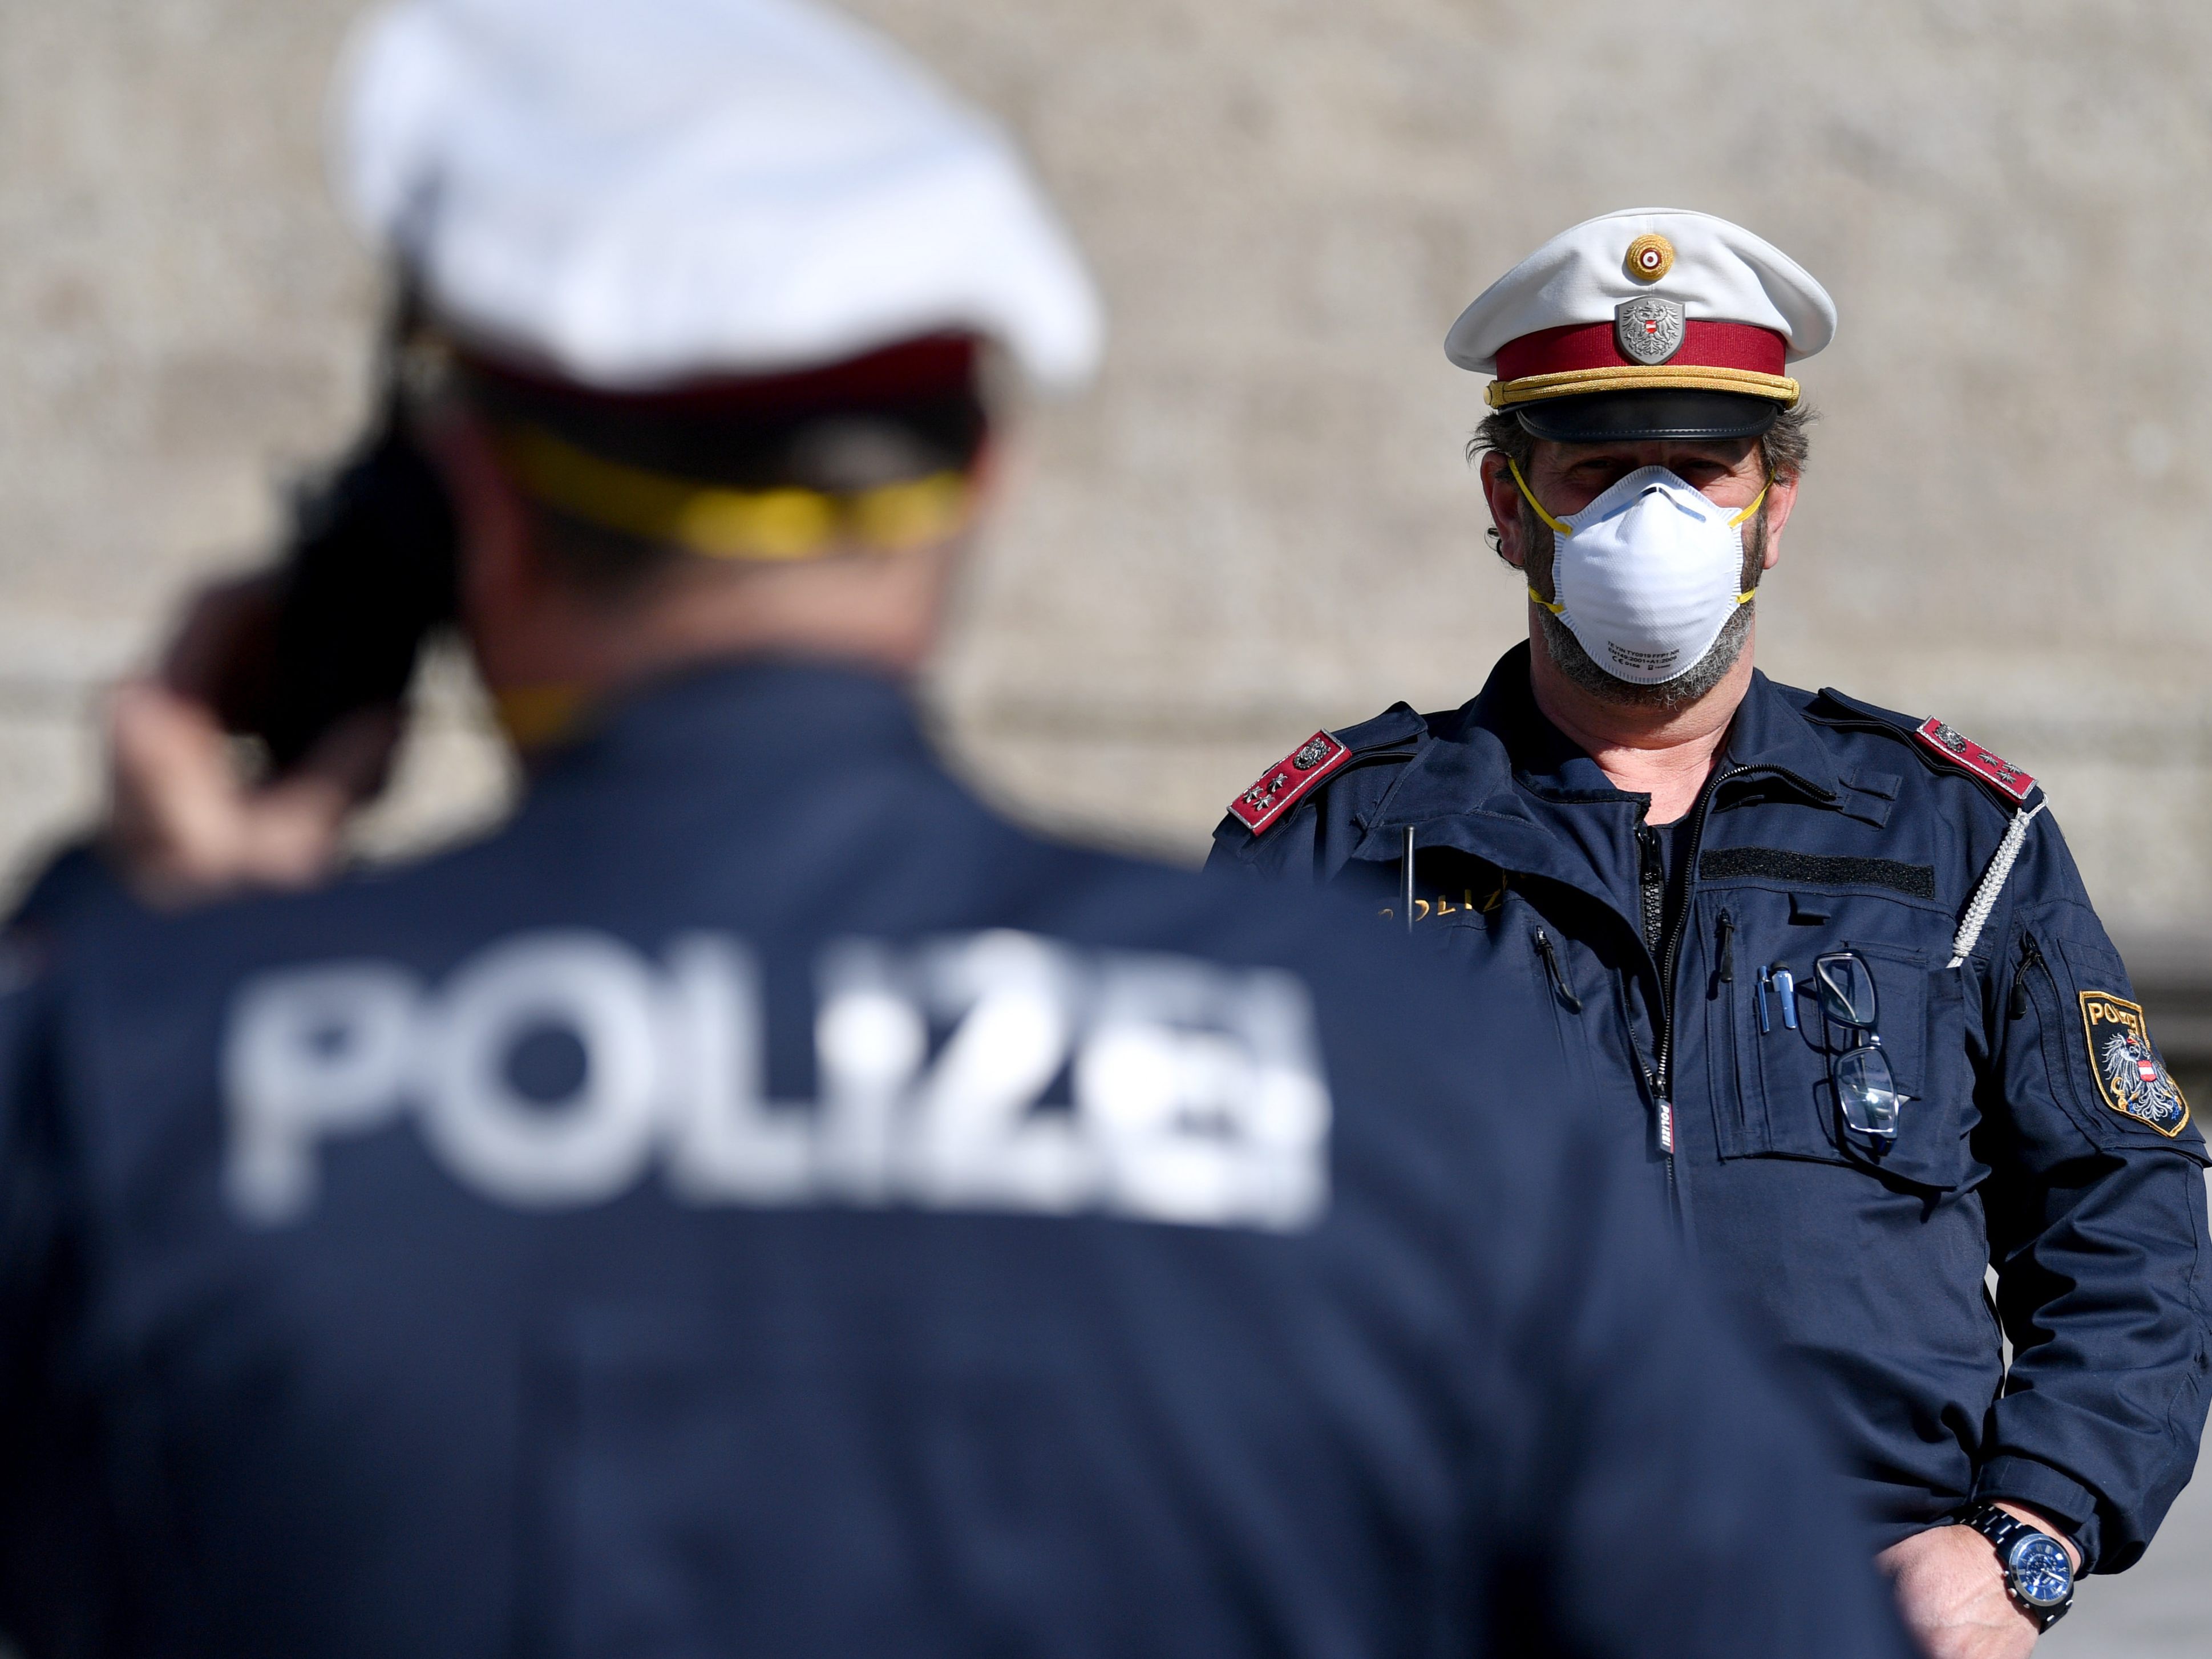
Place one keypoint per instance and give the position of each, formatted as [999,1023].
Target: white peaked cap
[1716,271]
[646,192]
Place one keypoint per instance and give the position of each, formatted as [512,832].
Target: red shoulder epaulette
[1283,785]
[1964,751]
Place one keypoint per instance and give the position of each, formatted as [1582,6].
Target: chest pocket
[1773,1077]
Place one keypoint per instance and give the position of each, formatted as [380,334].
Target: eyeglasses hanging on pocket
[1860,1073]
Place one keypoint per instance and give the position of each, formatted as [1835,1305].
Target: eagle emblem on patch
[1959,749]
[1648,329]
[2131,1078]
[1283,785]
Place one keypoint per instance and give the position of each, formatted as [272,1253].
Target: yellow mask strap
[1530,496]
[1753,507]
[1744,597]
[1557,528]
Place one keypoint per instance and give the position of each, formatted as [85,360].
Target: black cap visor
[1614,417]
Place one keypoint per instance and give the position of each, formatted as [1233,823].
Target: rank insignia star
[1283,785]
[2131,1076]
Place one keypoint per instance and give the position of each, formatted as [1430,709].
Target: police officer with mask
[757,1201]
[1832,968]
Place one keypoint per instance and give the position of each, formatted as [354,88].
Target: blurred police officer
[759,1201]
[1833,966]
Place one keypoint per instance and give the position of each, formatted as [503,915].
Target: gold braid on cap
[756,525]
[1629,377]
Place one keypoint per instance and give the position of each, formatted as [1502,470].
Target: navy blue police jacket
[759,1201]
[2042,1136]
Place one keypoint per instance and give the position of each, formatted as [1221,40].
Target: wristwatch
[2036,1570]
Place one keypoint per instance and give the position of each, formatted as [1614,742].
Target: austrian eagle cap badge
[1648,329]
[2131,1076]
[1285,783]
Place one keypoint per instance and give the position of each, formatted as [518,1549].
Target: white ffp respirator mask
[1647,574]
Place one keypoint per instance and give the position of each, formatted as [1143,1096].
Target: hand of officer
[1952,1593]
[185,820]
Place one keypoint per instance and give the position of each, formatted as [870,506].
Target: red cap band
[1592,345]
[928,366]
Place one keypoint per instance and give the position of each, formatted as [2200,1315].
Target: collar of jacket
[1464,787]
[738,721]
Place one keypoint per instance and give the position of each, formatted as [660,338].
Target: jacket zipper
[1651,877]
[1558,975]
[1663,1082]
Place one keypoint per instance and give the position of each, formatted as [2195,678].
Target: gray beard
[1685,688]
[1581,669]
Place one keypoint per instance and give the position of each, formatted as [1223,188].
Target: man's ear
[1504,497]
[499,562]
[987,472]
[1781,496]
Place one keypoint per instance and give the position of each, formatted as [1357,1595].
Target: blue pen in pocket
[1785,989]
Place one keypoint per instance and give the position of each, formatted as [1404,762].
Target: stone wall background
[1259,522]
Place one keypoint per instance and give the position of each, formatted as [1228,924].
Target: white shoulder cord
[1993,881]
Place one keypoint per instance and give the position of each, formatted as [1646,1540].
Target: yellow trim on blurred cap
[763,526]
[535,715]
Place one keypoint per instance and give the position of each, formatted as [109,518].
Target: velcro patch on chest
[2131,1076]
[1285,783]
[1962,751]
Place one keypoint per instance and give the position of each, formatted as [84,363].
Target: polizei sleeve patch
[1283,785]
[1962,751]
[2131,1076]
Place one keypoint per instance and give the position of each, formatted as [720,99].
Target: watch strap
[2003,1531]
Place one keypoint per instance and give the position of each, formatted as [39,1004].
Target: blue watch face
[2039,1570]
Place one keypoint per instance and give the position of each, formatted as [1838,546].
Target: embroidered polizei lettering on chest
[1193,1092]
